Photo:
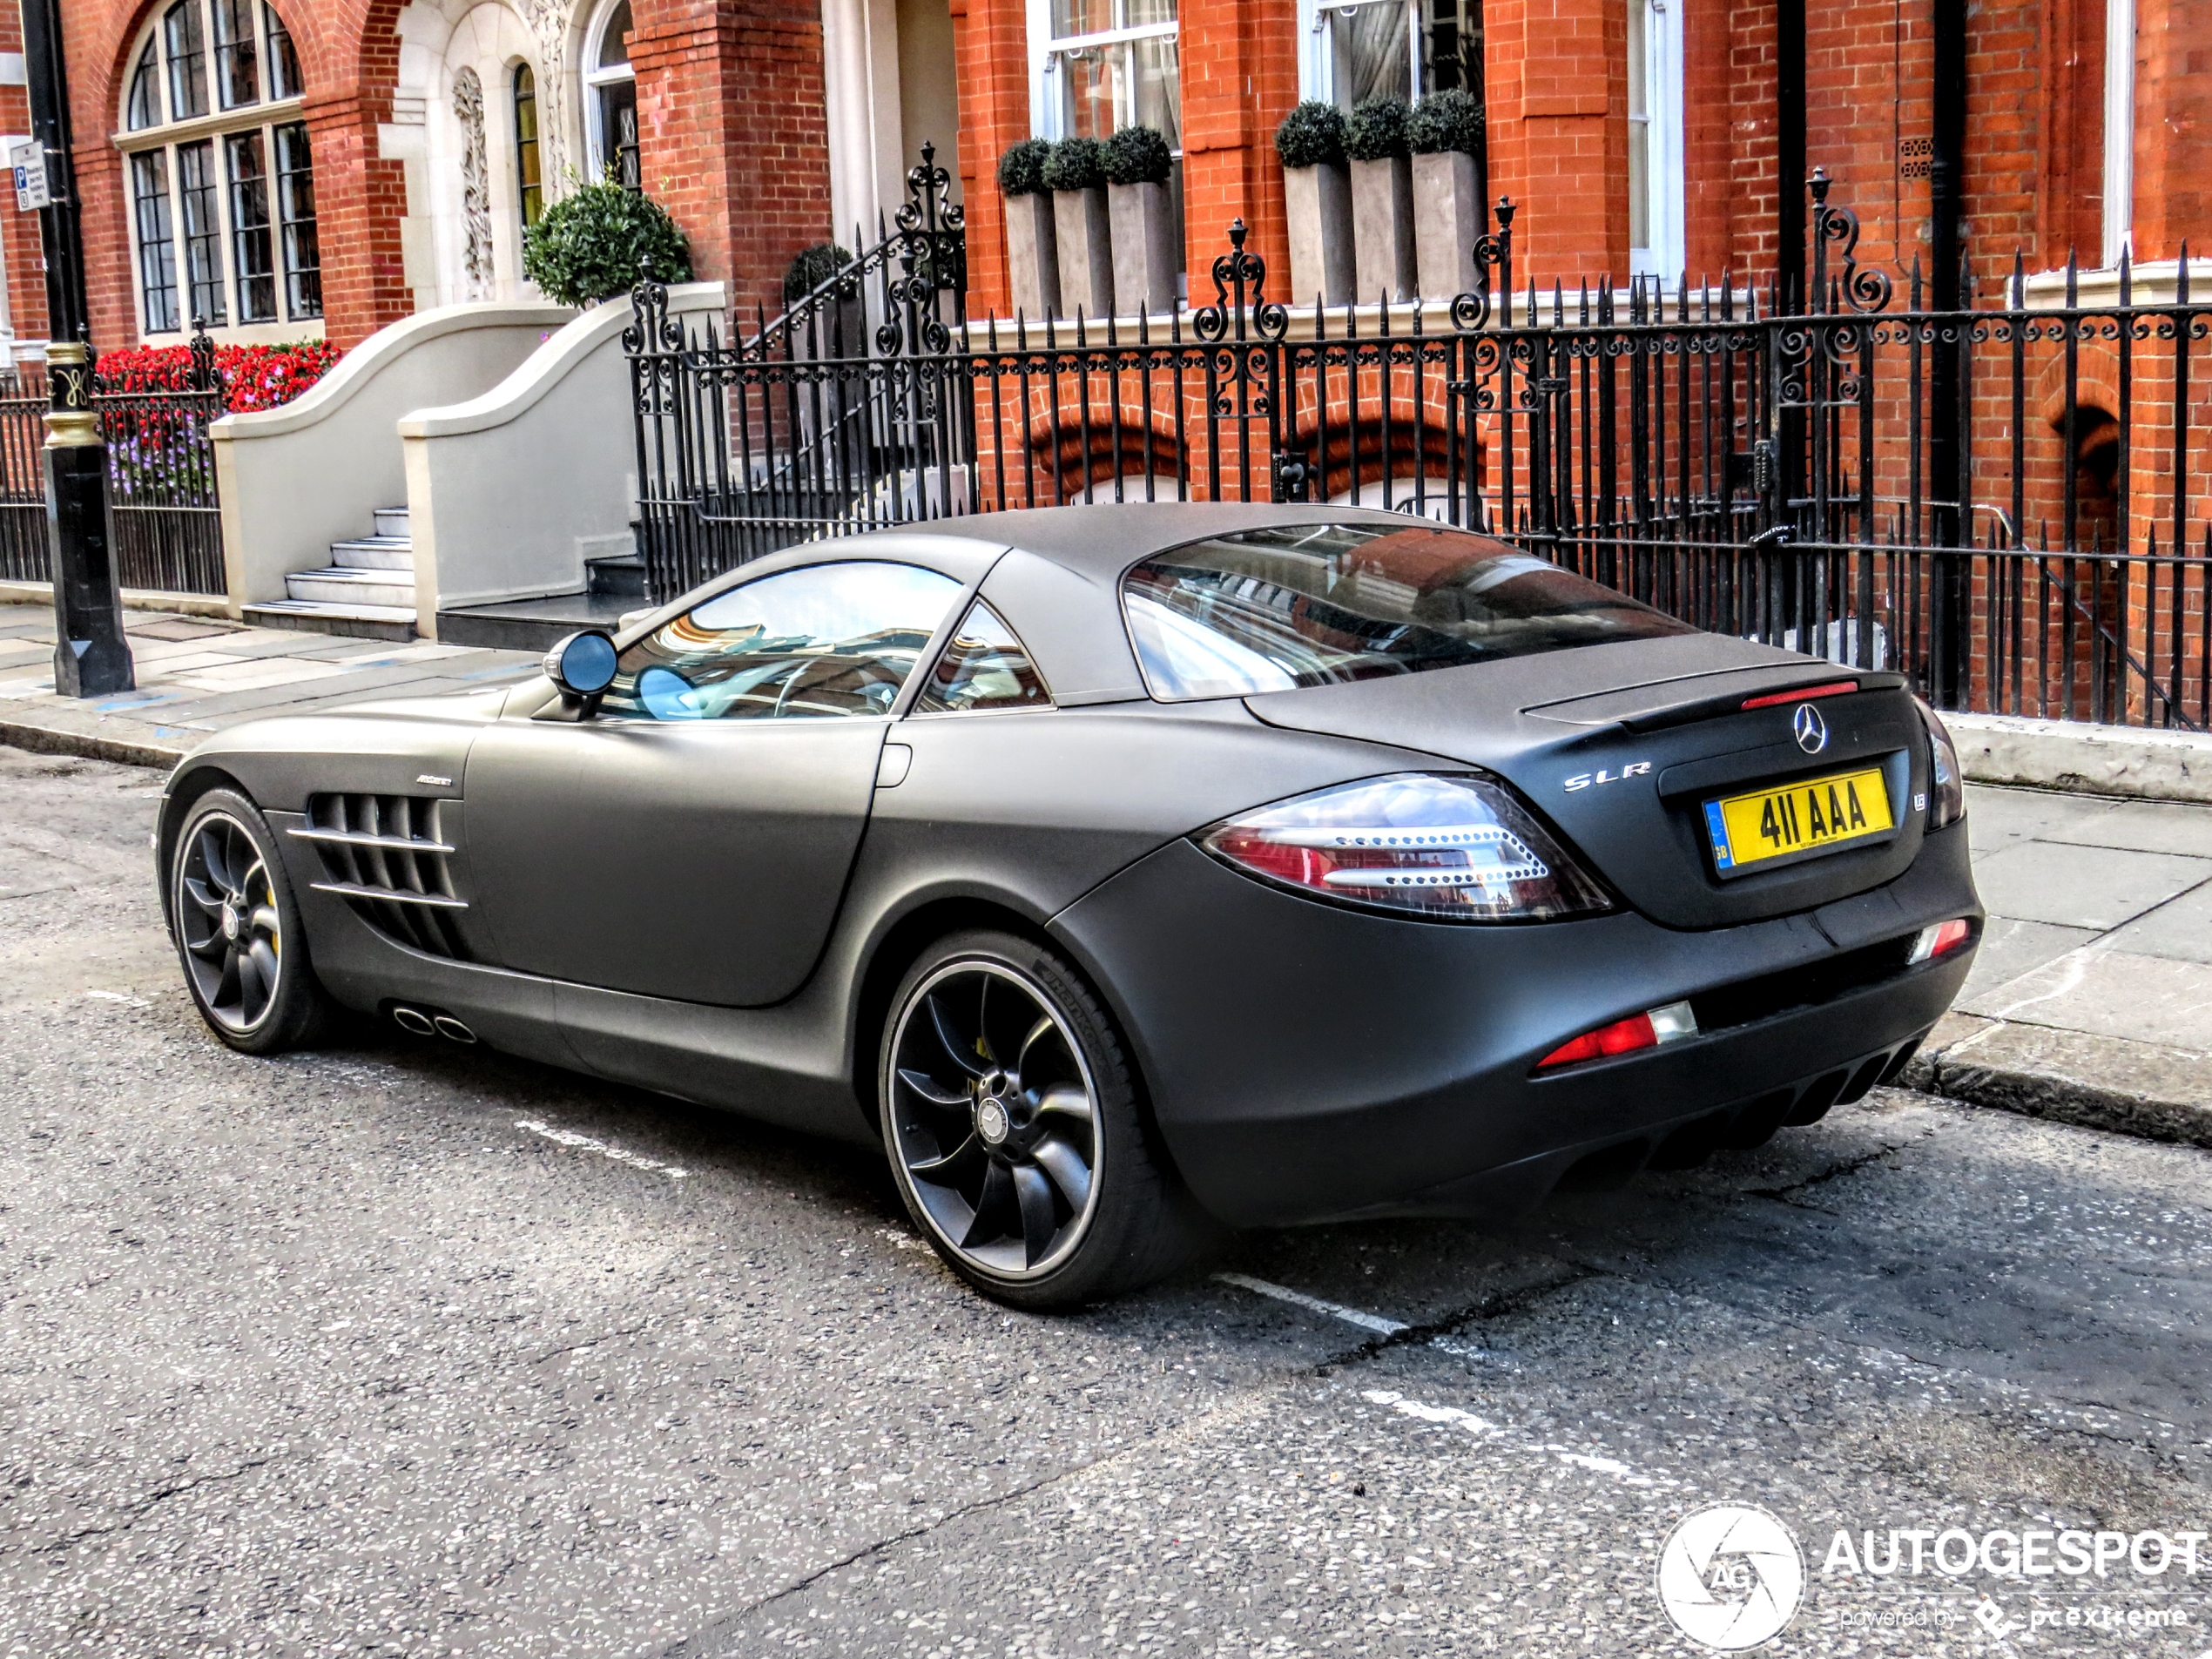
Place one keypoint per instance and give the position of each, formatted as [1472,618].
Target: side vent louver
[384,855]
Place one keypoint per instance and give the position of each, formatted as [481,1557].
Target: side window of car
[822,641]
[983,667]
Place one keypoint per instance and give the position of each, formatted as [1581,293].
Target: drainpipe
[1948,450]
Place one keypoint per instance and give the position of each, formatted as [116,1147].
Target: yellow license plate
[1815,816]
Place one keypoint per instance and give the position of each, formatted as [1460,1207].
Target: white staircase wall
[509,492]
[293,480]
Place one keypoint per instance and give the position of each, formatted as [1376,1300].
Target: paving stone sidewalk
[2090,1001]
[197,675]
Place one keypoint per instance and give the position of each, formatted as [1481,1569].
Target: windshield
[1313,604]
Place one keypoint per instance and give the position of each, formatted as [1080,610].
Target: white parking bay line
[1373,1322]
[585,1143]
[1498,1434]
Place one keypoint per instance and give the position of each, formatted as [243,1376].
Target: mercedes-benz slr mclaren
[1124,872]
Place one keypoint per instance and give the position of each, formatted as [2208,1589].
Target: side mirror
[583,665]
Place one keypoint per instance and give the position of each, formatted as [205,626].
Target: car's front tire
[1010,1114]
[237,930]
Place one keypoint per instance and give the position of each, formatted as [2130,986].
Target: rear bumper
[1306,1061]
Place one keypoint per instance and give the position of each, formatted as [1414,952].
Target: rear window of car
[1314,605]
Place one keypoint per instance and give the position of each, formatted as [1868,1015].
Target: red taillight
[1645,1030]
[1833,688]
[1941,939]
[1444,847]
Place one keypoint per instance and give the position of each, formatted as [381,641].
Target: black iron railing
[2007,501]
[164,514]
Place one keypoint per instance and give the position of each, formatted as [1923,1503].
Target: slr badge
[1812,732]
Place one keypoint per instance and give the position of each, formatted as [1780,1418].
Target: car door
[692,839]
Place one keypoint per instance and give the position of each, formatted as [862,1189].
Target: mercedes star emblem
[1811,730]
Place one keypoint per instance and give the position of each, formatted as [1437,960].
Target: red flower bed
[254,377]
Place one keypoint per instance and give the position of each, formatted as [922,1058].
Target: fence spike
[1916,282]
[2125,276]
[2181,275]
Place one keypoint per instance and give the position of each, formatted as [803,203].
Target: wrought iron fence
[163,516]
[2007,501]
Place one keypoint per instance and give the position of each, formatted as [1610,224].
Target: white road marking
[585,1143]
[1453,1417]
[1373,1322]
[118,997]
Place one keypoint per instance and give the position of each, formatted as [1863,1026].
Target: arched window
[529,185]
[223,214]
[611,89]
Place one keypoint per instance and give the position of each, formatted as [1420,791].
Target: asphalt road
[407,1350]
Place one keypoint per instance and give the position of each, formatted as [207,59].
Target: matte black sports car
[1124,871]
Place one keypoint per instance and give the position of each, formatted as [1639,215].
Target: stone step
[374,553]
[355,622]
[392,521]
[347,585]
[622,577]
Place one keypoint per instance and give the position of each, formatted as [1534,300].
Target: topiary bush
[1311,135]
[812,266]
[589,245]
[1139,156]
[1448,120]
[1376,130]
[1076,164]
[1021,168]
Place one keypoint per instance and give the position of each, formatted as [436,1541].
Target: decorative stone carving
[475,184]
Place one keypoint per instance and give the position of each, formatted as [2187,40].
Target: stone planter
[1145,266]
[1382,229]
[1319,201]
[1033,254]
[1447,216]
[1085,229]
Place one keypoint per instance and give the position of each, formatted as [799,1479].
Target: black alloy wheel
[237,928]
[1010,1115]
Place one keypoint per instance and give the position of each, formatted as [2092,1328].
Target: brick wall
[732,136]
[1555,82]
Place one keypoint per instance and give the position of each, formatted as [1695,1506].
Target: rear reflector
[1940,940]
[1645,1030]
[1833,688]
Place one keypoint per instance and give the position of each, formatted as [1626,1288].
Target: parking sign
[27,158]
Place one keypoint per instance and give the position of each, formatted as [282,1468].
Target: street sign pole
[91,658]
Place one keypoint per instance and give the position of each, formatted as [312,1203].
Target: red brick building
[293,167]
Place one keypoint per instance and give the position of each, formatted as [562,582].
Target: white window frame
[265,116]
[1048,102]
[2120,129]
[1662,103]
[1317,61]
[595,77]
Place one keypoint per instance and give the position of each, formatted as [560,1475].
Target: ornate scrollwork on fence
[1239,297]
[1864,288]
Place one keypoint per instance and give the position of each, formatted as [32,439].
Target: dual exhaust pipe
[427,1023]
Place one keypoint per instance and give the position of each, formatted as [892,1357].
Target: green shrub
[1376,130]
[812,266]
[1448,120]
[1311,135]
[589,245]
[1139,156]
[1076,164]
[1021,168]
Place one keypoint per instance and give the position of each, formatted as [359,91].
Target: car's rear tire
[237,930]
[1010,1114]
